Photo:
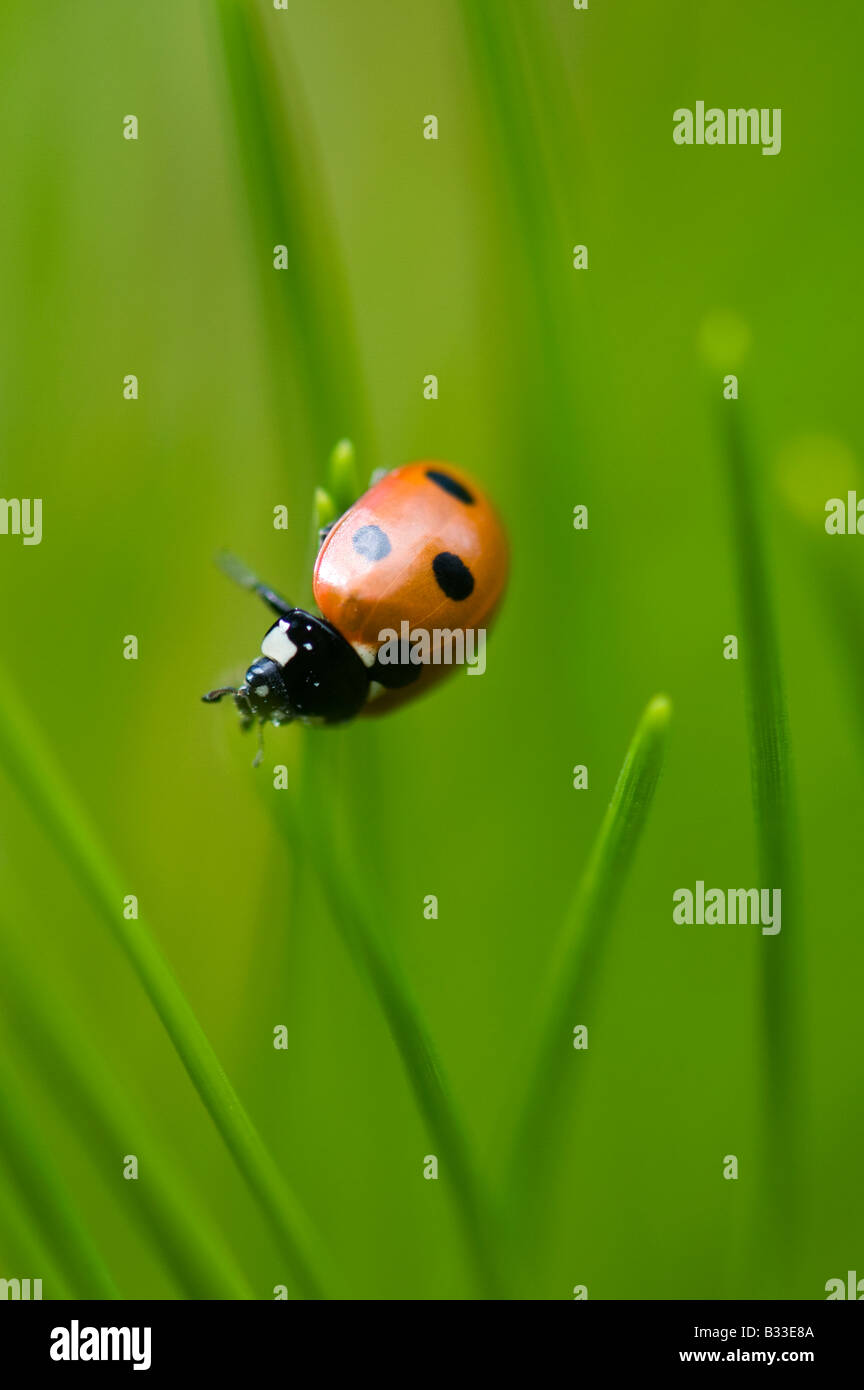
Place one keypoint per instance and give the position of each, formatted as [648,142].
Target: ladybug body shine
[421,552]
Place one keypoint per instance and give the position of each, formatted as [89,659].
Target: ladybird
[421,552]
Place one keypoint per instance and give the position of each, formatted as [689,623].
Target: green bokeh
[557,387]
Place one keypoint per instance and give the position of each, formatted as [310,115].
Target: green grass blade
[773,800]
[307,306]
[309,832]
[844,614]
[583,938]
[343,476]
[44,788]
[24,1254]
[99,1107]
[52,1212]
[511,51]
[836,578]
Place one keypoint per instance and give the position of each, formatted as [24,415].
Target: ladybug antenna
[241,698]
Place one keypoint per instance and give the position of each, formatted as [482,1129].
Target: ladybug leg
[246,720]
[236,570]
[324,533]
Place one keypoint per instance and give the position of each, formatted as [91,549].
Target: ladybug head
[307,670]
[260,697]
[263,692]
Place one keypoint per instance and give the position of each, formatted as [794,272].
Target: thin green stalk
[773,801]
[580,950]
[45,789]
[307,305]
[88,1088]
[541,190]
[838,582]
[24,1254]
[309,832]
[51,1210]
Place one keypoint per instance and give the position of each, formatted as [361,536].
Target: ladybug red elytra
[421,553]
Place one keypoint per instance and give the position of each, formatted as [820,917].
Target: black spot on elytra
[453,575]
[393,675]
[371,542]
[448,484]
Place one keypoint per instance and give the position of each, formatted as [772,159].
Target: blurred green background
[557,387]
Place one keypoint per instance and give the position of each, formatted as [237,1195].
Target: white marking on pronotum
[277,645]
[375,689]
[366,653]
[263,691]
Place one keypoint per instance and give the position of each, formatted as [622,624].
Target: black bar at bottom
[224,1339]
